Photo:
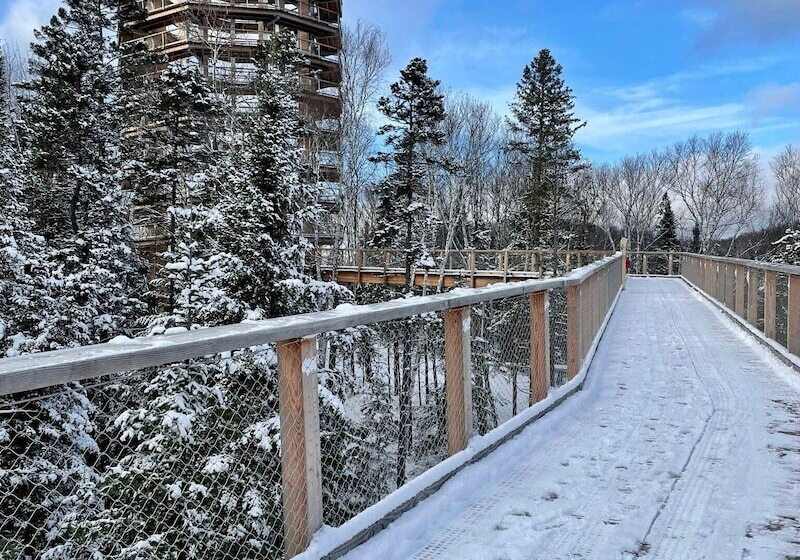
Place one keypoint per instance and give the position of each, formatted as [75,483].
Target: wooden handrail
[37,371]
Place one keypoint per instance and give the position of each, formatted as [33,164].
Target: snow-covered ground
[685,444]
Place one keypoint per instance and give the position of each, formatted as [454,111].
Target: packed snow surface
[684,444]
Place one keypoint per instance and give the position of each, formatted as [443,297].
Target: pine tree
[543,125]
[416,111]
[666,236]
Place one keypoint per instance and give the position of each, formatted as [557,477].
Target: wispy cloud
[736,21]
[770,99]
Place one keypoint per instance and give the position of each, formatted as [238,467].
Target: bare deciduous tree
[364,59]
[786,168]
[717,181]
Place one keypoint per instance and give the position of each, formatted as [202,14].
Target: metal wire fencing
[240,442]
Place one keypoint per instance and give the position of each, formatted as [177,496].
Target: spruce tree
[666,236]
[416,111]
[81,271]
[78,205]
[543,124]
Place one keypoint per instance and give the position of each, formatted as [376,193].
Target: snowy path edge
[331,543]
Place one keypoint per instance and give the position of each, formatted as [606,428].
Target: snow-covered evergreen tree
[268,199]
[78,205]
[666,234]
[415,110]
[81,273]
[787,248]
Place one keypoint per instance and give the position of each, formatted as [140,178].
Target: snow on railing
[242,441]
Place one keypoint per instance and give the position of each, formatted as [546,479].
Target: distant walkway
[684,445]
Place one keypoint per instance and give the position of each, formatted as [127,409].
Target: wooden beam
[574,331]
[300,443]
[752,296]
[458,377]
[739,295]
[770,295]
[540,346]
[730,285]
[793,327]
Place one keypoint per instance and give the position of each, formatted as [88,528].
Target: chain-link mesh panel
[182,461]
[385,387]
[782,308]
[501,361]
[558,337]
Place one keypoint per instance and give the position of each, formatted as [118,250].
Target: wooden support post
[540,346]
[300,443]
[623,247]
[793,326]
[644,265]
[739,295]
[730,285]
[540,263]
[472,265]
[458,378]
[568,261]
[359,264]
[574,331]
[752,296]
[770,296]
[671,264]
[505,265]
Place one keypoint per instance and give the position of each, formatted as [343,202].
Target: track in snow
[684,444]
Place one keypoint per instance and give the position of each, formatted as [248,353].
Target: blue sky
[645,72]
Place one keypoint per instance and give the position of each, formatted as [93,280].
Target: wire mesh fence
[182,461]
[214,456]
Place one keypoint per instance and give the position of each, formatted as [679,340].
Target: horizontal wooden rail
[36,371]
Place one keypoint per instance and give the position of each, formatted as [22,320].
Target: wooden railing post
[793,326]
[730,285]
[671,264]
[505,265]
[458,378]
[574,331]
[472,266]
[752,296]
[739,295]
[300,443]
[644,265]
[770,295]
[623,247]
[540,346]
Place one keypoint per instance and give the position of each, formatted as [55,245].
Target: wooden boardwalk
[683,444]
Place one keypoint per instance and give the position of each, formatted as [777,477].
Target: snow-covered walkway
[684,444]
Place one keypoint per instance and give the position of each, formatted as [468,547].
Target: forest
[183,461]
